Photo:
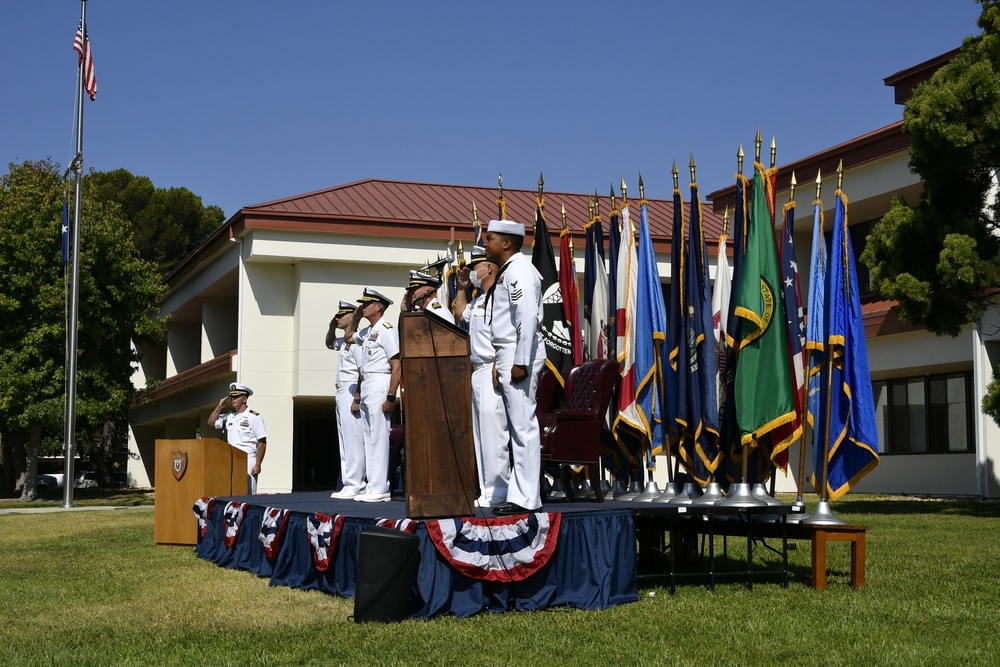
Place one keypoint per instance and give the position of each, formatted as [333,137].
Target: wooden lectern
[187,470]
[437,417]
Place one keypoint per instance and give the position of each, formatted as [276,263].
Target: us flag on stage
[81,44]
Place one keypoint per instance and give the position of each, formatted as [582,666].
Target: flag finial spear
[475,213]
[840,173]
[819,182]
[541,184]
[692,166]
[597,204]
[624,193]
[614,203]
[774,151]
[725,222]
[791,188]
[757,141]
[590,207]
[563,213]
[739,160]
[642,188]
[674,173]
[500,184]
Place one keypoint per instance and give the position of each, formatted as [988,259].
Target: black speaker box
[387,571]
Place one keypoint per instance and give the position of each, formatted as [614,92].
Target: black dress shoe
[508,509]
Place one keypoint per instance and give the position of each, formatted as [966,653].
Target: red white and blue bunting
[497,549]
[233,516]
[324,530]
[272,530]
[405,525]
[203,511]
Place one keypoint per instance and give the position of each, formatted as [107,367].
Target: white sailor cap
[506,227]
[237,389]
[346,307]
[478,255]
[370,294]
[420,279]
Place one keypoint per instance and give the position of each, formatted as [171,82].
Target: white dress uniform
[516,328]
[349,430]
[243,431]
[379,343]
[489,419]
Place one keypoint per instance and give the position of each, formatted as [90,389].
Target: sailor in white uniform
[349,431]
[379,381]
[514,311]
[422,294]
[244,429]
[489,419]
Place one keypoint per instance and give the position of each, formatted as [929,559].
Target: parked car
[86,480]
[50,481]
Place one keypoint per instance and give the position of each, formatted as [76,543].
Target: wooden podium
[437,417]
[187,470]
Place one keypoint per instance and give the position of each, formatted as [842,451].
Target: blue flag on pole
[853,434]
[816,335]
[651,328]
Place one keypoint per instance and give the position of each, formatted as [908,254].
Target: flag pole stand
[711,496]
[672,488]
[691,492]
[740,494]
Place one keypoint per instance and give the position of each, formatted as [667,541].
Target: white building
[253,303]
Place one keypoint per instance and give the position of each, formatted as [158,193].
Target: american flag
[793,309]
[81,44]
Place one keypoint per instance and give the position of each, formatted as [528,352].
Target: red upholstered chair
[574,432]
[547,397]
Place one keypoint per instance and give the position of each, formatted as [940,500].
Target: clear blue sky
[244,102]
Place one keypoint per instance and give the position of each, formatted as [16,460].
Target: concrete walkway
[46,510]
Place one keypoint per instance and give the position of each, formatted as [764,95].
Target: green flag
[764,389]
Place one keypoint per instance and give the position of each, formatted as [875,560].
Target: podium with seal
[187,470]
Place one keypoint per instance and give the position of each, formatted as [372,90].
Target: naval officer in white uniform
[489,419]
[350,436]
[380,370]
[244,429]
[422,294]
[514,311]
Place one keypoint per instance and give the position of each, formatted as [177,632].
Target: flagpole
[74,304]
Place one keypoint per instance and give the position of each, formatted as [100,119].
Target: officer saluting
[244,429]
[422,294]
[379,381]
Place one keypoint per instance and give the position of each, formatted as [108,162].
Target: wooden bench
[819,535]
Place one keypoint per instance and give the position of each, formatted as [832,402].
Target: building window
[929,414]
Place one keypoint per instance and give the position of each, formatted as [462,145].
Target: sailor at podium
[422,294]
[244,429]
[489,420]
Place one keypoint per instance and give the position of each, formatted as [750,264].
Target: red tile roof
[387,208]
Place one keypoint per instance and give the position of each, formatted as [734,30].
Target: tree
[119,297]
[169,222]
[940,260]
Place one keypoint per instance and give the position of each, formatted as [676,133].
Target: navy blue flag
[65,233]
[673,371]
[700,452]
[852,450]
[614,239]
[729,435]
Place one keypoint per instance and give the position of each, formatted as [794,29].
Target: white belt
[376,372]
[485,364]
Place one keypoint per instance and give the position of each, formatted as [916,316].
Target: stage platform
[579,555]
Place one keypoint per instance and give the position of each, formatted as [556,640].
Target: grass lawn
[91,588]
